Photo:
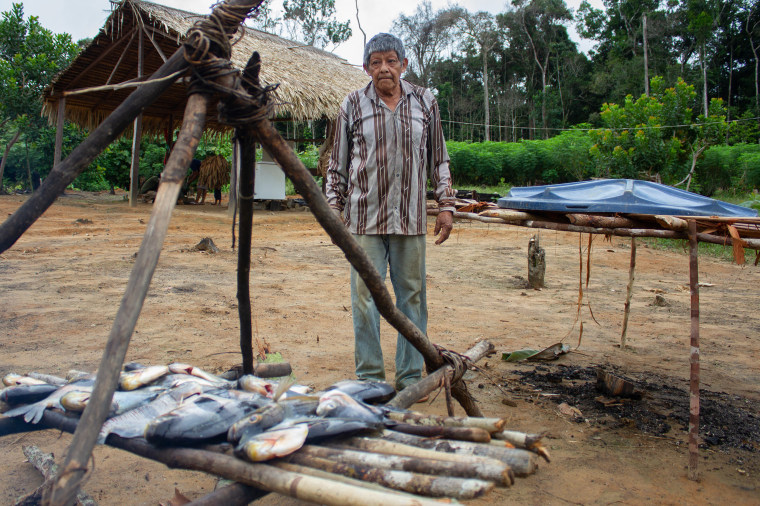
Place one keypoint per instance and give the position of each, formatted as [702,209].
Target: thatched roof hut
[312,82]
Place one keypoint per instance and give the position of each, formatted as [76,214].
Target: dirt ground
[62,283]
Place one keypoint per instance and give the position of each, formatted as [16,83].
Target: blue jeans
[406,257]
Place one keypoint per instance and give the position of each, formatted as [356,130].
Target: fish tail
[34,415]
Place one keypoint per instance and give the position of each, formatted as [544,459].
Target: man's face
[385,68]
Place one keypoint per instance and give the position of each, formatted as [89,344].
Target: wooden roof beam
[105,53]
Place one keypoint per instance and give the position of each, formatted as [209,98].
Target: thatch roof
[312,82]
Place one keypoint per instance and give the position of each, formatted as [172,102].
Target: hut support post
[247,152]
[95,414]
[694,358]
[59,132]
[234,178]
[629,293]
[134,175]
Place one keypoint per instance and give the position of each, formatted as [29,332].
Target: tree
[314,21]
[426,34]
[655,136]
[30,56]
[481,30]
[540,21]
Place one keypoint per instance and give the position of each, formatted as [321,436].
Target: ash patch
[726,421]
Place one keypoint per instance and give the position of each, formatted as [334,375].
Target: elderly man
[388,141]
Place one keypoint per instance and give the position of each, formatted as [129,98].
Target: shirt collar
[371,93]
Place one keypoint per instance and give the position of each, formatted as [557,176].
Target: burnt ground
[657,407]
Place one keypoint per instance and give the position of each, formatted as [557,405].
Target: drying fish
[251,383]
[322,428]
[338,404]
[207,417]
[14,379]
[121,403]
[33,412]
[270,415]
[141,377]
[134,422]
[179,368]
[24,394]
[48,378]
[275,443]
[371,392]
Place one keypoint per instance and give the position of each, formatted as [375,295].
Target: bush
[735,168]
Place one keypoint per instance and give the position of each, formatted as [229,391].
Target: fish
[208,417]
[13,379]
[179,368]
[251,383]
[120,403]
[368,391]
[270,415]
[141,377]
[338,404]
[132,423]
[48,378]
[25,394]
[33,412]
[274,443]
[323,428]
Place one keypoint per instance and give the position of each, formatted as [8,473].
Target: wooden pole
[59,132]
[97,409]
[247,146]
[134,173]
[629,293]
[694,356]
[234,179]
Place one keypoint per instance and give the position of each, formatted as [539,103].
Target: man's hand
[443,224]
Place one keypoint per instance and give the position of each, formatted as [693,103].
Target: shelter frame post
[134,175]
[232,205]
[694,356]
[59,132]
[628,294]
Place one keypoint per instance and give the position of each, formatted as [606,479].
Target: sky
[83,18]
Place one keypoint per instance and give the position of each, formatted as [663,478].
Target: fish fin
[282,387]
[34,415]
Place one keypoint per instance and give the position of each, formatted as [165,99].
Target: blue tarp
[619,196]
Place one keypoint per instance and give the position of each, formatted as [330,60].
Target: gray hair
[383,42]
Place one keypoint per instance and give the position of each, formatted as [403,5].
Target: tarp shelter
[137,39]
[619,196]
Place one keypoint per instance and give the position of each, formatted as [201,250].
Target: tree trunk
[646,55]
[703,58]
[5,156]
[485,94]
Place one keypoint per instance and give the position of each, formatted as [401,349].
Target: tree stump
[536,263]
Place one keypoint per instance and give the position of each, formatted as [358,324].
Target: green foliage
[316,21]
[731,168]
[657,134]
[557,160]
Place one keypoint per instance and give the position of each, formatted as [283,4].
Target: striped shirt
[381,161]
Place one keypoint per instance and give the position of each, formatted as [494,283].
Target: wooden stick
[488,424]
[629,293]
[694,357]
[247,178]
[411,394]
[508,215]
[67,170]
[97,409]
[474,434]
[336,478]
[45,464]
[235,494]
[497,473]
[522,462]
[415,483]
[593,220]
[478,463]
[672,223]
